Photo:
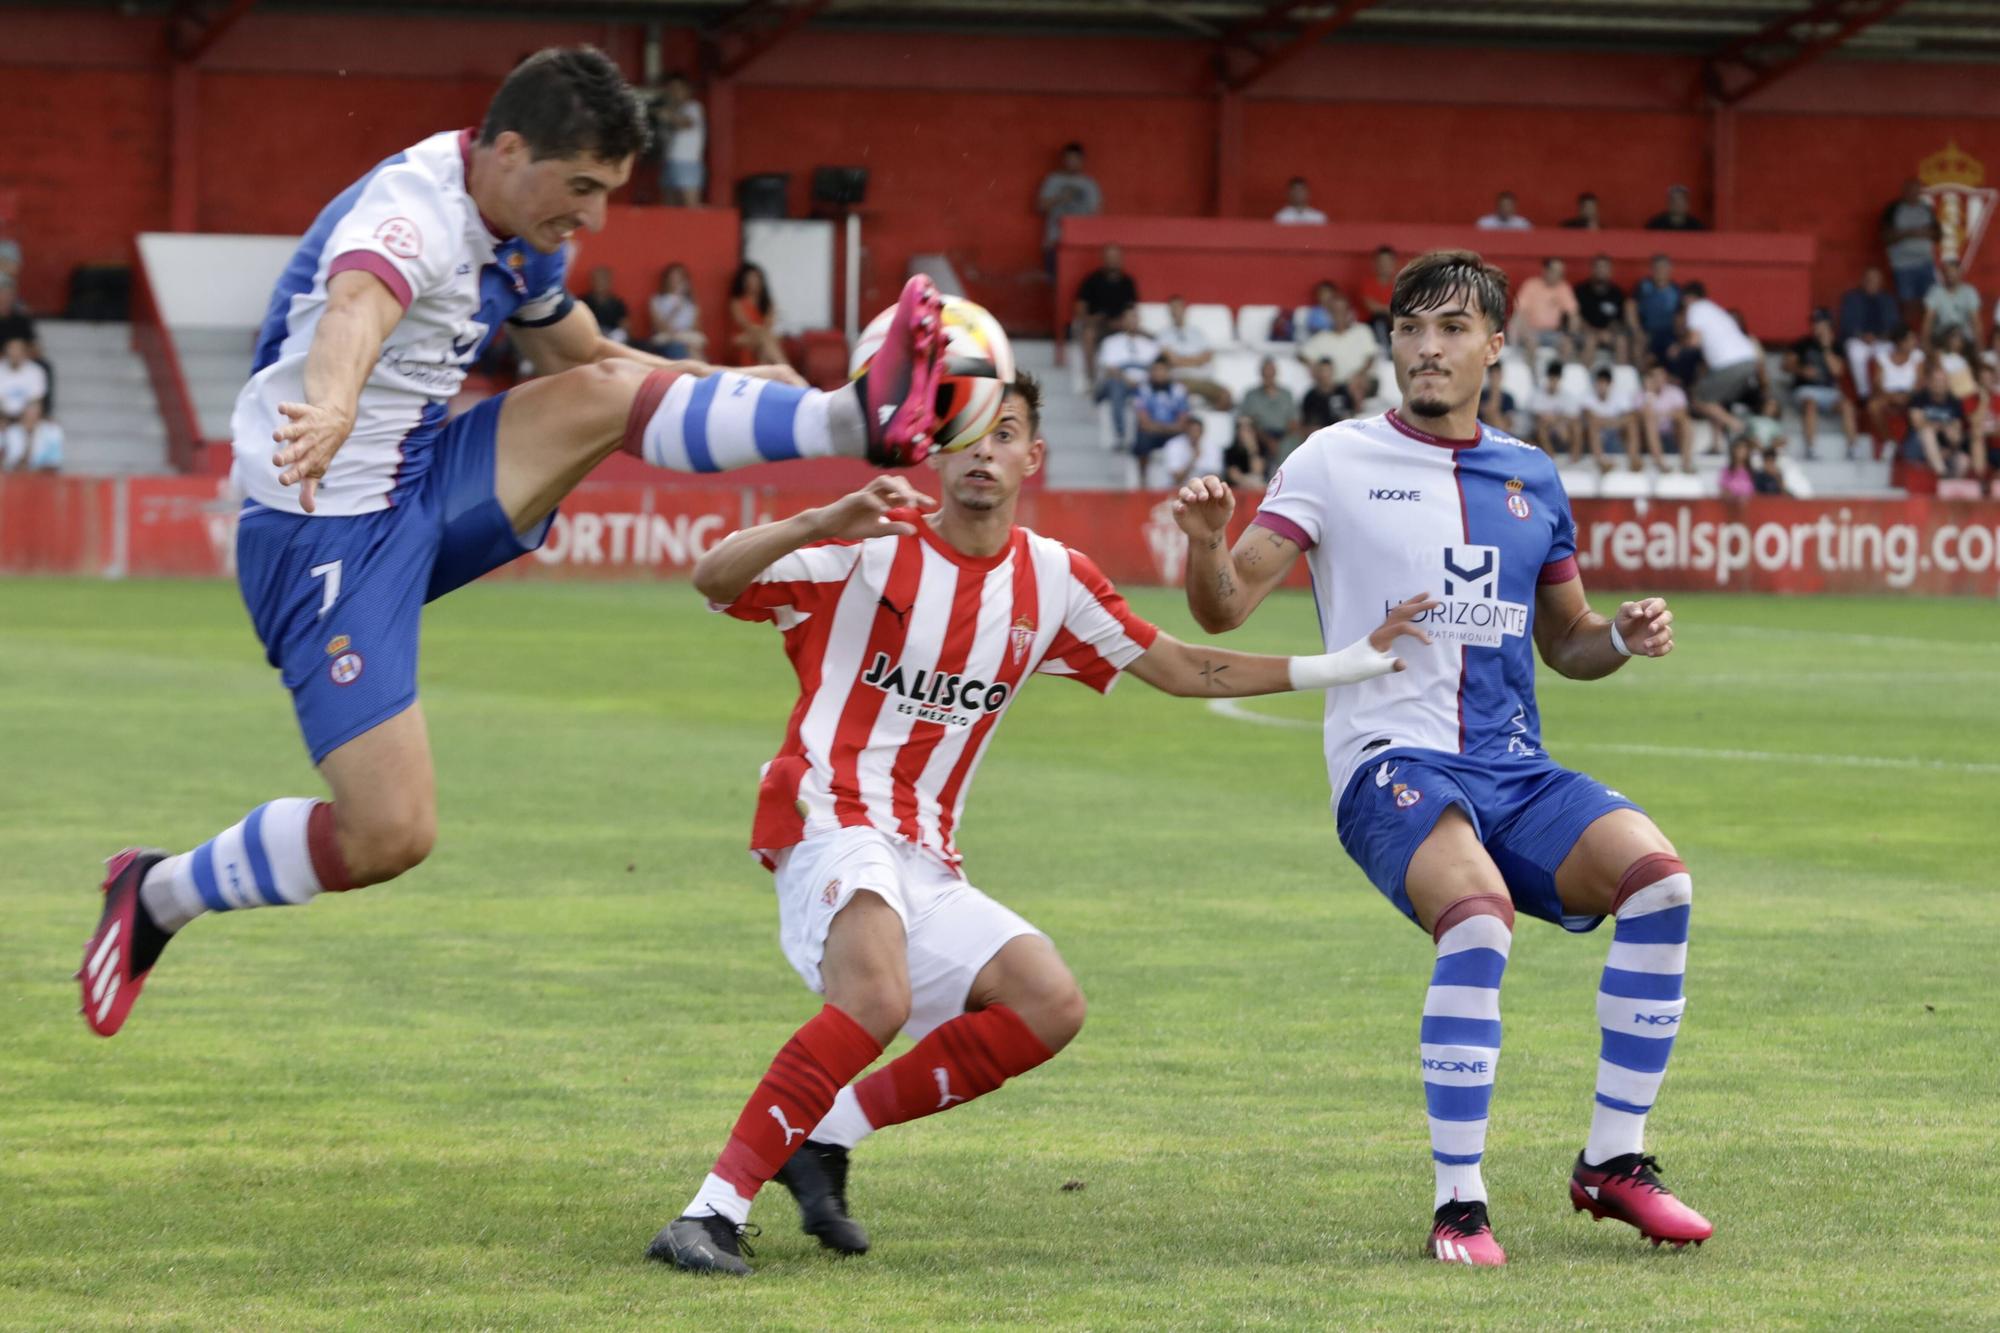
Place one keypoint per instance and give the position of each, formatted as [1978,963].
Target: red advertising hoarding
[185,527]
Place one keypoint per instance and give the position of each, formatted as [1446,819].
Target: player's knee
[881,1005]
[1495,908]
[384,848]
[1662,876]
[1058,1014]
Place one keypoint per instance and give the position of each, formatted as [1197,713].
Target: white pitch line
[1838,636]
[1233,709]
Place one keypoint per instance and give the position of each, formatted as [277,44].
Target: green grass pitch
[469,1098]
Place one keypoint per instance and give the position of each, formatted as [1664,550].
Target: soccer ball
[978,364]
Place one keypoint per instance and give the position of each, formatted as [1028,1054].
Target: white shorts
[953,929]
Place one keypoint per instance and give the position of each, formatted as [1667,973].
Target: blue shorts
[337,601]
[1527,810]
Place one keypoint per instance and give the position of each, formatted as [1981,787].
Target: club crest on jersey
[831,893]
[1517,503]
[400,237]
[1021,638]
[338,644]
[944,697]
[1406,795]
[345,669]
[1471,611]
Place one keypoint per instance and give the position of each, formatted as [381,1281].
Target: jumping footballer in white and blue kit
[1442,791]
[365,501]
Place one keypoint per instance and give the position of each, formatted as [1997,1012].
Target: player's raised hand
[1647,627]
[1203,507]
[307,440]
[1401,622]
[865,513]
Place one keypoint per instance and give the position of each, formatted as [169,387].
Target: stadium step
[104,401]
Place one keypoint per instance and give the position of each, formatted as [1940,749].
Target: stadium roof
[1946,30]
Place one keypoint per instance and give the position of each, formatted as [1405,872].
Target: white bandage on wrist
[1618,641]
[1357,662]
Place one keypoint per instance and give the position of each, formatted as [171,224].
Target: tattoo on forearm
[1215,541]
[1211,674]
[1225,585]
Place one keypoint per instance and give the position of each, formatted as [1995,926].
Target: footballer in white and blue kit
[365,500]
[1442,790]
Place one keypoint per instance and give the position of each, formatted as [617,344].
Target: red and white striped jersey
[908,652]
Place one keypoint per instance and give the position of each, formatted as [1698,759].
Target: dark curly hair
[567,101]
[1431,280]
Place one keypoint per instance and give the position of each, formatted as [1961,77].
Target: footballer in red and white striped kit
[911,635]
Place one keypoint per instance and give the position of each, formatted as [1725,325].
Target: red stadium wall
[286,108]
[185,526]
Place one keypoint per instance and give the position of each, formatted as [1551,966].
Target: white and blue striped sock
[265,861]
[728,420]
[1639,1007]
[1460,1048]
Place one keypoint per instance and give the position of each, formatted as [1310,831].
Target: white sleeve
[399,231]
[1295,502]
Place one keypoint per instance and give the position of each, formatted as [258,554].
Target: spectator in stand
[1730,364]
[1298,210]
[1986,427]
[1600,314]
[1318,317]
[1937,435]
[1187,348]
[1545,311]
[1952,354]
[1869,319]
[1897,369]
[1375,291]
[1161,413]
[1104,295]
[683,135]
[754,319]
[1327,401]
[1910,233]
[1351,347]
[1586,214]
[1503,217]
[1676,217]
[1656,298]
[27,440]
[1192,454]
[10,252]
[1738,478]
[1663,419]
[1496,405]
[1067,192]
[1818,373]
[676,319]
[1555,416]
[15,321]
[1610,423]
[1243,462]
[1682,358]
[1763,420]
[1124,360]
[607,306]
[1270,416]
[1768,477]
[1951,303]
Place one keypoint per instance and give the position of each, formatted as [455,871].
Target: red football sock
[956,1062]
[796,1092]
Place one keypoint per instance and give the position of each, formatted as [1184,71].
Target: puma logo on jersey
[779,1116]
[945,1095]
[902,613]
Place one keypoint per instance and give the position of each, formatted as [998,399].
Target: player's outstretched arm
[1197,670]
[1225,585]
[1577,642]
[360,314]
[734,563]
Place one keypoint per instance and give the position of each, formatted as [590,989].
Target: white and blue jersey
[1384,511]
[411,223]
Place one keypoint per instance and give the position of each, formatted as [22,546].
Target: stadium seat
[1582,483]
[1623,484]
[1292,373]
[1682,486]
[1576,381]
[1386,392]
[1153,316]
[1799,482]
[1215,322]
[1253,324]
[1236,370]
[1625,380]
[1516,378]
[1299,322]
